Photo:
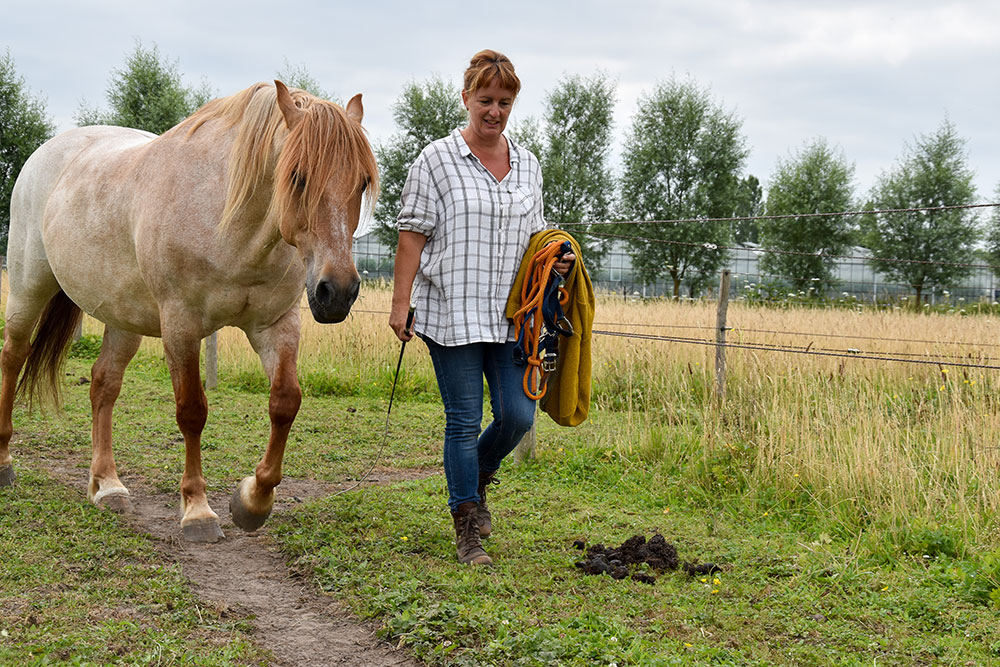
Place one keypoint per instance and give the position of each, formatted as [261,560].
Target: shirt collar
[465,151]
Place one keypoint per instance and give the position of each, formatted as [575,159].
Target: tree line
[683,168]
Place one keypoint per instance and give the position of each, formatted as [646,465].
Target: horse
[223,220]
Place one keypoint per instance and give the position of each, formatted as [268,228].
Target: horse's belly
[145,322]
[123,304]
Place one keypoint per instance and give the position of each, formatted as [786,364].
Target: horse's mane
[324,142]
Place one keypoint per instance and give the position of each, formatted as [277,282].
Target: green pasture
[807,577]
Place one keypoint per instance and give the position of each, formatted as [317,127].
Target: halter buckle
[549,362]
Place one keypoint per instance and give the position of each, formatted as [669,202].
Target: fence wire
[939,360]
[809,334]
[845,354]
[775,251]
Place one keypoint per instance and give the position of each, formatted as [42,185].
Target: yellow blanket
[567,399]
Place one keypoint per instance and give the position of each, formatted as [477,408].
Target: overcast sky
[867,76]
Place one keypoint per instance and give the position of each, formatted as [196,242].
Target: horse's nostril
[355,290]
[324,291]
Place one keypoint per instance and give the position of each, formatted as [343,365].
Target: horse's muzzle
[330,301]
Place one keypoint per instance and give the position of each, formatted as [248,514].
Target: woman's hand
[563,266]
[397,321]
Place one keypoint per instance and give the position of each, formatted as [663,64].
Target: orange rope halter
[532,294]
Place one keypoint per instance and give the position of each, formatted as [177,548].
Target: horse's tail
[40,381]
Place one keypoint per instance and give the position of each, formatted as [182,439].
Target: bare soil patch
[245,575]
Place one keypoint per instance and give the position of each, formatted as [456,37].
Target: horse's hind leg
[117,351]
[278,347]
[22,313]
[198,522]
[16,347]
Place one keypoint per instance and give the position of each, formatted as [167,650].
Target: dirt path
[291,618]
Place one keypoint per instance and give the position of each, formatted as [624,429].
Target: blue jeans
[467,452]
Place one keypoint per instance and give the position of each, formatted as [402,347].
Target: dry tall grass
[862,439]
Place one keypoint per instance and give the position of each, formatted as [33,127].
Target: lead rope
[385,434]
[529,316]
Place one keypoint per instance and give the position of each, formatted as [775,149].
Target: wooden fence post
[525,449]
[720,338]
[212,361]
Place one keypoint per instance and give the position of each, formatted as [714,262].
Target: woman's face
[489,107]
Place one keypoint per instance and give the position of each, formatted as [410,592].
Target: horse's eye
[299,181]
[364,186]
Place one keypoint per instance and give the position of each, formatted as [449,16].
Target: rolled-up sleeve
[419,211]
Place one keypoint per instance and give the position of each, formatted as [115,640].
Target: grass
[852,505]
[78,588]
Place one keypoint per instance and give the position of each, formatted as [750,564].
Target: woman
[471,202]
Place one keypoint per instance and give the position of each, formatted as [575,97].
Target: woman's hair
[488,65]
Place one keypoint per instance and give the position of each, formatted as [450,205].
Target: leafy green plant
[979,579]
[930,541]
[87,347]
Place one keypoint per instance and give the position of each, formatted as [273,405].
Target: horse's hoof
[202,530]
[7,476]
[116,502]
[243,516]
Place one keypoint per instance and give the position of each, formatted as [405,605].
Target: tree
[527,132]
[23,128]
[993,235]
[925,249]
[147,93]
[682,160]
[817,179]
[575,151]
[424,112]
[749,204]
[297,76]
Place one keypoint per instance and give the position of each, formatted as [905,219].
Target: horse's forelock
[324,144]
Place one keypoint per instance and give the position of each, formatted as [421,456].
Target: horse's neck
[252,231]
[252,237]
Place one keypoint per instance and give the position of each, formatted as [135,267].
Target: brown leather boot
[469,545]
[483,516]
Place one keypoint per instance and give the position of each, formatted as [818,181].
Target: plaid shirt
[477,232]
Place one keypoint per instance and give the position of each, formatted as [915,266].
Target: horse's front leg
[182,350]
[278,347]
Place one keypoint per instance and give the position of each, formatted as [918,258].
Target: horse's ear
[293,114]
[355,111]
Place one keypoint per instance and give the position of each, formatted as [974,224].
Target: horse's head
[324,171]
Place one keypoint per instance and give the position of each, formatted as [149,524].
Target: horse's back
[42,173]
[44,195]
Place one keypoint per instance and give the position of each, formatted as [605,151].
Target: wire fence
[854,279]
[849,353]
[974,358]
